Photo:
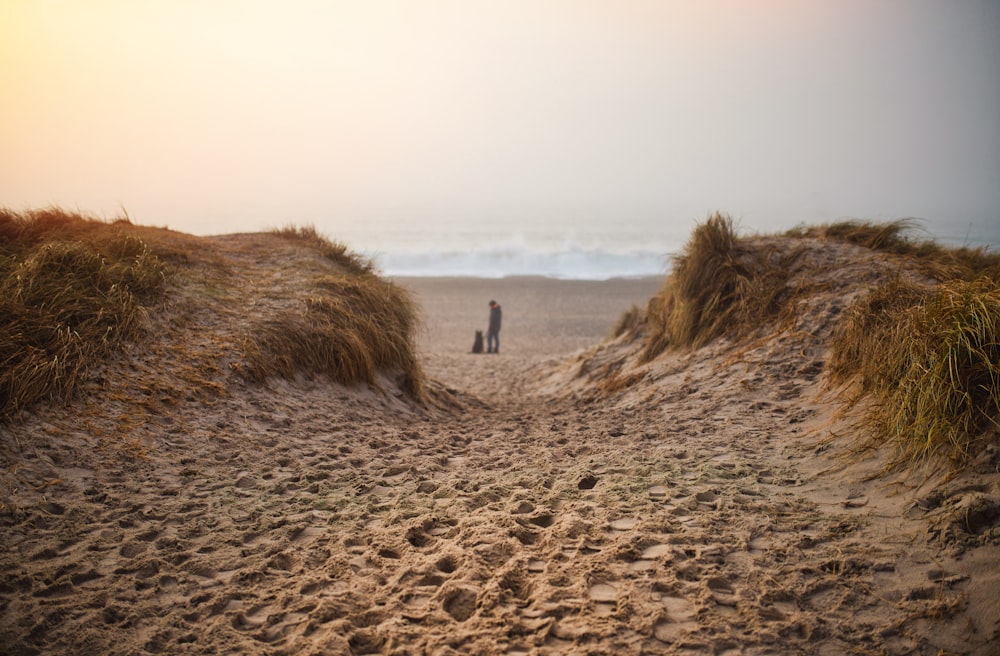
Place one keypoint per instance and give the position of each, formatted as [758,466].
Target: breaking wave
[573,262]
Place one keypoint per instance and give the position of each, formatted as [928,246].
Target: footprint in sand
[524,508]
[656,551]
[366,641]
[390,554]
[416,607]
[242,622]
[623,524]
[460,603]
[303,533]
[603,592]
[678,621]
[707,498]
[650,558]
[722,591]
[543,520]
[313,587]
[447,564]
[132,549]
[605,598]
[639,566]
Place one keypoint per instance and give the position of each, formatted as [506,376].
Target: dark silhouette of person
[493,333]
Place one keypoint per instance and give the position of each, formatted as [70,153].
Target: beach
[544,319]
[555,498]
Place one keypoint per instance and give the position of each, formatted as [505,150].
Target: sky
[216,116]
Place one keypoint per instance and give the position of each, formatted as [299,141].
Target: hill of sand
[557,498]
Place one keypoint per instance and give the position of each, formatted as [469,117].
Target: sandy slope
[701,504]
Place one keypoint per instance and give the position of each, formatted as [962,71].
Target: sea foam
[594,257]
[576,263]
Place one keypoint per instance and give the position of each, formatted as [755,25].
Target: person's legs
[493,342]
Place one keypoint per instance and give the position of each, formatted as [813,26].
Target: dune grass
[929,359]
[927,356]
[898,237]
[629,321]
[72,289]
[356,326]
[887,236]
[335,251]
[718,285]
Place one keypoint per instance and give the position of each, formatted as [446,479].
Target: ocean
[486,254]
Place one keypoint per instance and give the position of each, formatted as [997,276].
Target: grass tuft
[629,321]
[930,360]
[71,290]
[355,327]
[717,285]
[886,236]
[938,261]
[336,251]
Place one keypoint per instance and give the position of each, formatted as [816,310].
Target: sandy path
[697,516]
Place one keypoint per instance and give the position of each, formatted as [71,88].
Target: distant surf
[575,263]
[587,257]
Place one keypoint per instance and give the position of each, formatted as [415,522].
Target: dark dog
[477,346]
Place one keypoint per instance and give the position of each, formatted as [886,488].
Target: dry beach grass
[575,494]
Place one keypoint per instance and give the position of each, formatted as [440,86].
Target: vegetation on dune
[926,356]
[332,250]
[628,322]
[718,284]
[887,236]
[929,359]
[357,325]
[723,284]
[938,261]
[72,289]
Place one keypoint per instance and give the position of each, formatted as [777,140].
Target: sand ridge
[703,504]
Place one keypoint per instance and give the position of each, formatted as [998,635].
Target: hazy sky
[223,115]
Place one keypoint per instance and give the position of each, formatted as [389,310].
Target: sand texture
[557,498]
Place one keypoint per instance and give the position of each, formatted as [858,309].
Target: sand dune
[557,498]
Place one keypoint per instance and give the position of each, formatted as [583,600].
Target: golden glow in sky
[223,115]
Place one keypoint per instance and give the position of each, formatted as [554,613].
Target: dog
[477,345]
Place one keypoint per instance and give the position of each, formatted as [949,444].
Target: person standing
[493,333]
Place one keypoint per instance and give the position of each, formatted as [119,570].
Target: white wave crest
[573,262]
